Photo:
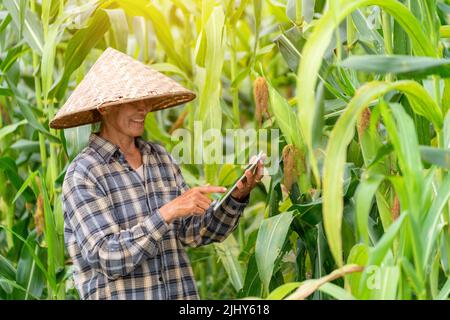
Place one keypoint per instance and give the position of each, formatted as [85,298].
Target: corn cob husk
[395,210]
[261,95]
[291,160]
[39,216]
[364,121]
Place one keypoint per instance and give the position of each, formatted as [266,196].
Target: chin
[138,133]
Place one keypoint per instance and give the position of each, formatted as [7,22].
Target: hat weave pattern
[115,79]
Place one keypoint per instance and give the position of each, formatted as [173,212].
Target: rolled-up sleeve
[104,245]
[213,226]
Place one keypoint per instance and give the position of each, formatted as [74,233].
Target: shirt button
[160,279]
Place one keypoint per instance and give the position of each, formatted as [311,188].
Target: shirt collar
[107,149]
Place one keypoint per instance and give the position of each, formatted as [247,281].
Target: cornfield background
[360,89]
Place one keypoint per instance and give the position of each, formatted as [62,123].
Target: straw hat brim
[92,116]
[116,79]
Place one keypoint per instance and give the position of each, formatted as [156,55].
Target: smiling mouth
[138,121]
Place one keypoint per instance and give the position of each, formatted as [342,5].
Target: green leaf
[404,139]
[411,276]
[282,291]
[341,136]
[366,32]
[5,92]
[119,29]
[411,67]
[11,128]
[359,255]
[285,118]
[28,146]
[336,291]
[15,285]
[28,274]
[445,291]
[378,253]
[28,114]
[270,240]
[446,131]
[431,227]
[436,156]
[364,196]
[209,83]
[170,68]
[317,45]
[48,59]
[9,166]
[76,139]
[228,251]
[7,270]
[389,281]
[24,186]
[309,286]
[31,251]
[79,46]
[32,31]
[50,234]
[161,28]
[252,284]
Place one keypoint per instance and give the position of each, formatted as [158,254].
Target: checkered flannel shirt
[120,245]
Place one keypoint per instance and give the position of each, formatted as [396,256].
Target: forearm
[214,226]
[119,253]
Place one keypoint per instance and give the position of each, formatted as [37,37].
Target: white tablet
[251,167]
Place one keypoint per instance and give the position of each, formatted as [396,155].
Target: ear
[103,111]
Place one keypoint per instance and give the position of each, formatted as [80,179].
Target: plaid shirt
[120,245]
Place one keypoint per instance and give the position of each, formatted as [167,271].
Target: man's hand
[252,179]
[192,202]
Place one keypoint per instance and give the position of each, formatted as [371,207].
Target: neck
[125,143]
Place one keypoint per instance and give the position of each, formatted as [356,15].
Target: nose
[142,106]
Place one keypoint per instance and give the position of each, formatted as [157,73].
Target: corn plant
[359,89]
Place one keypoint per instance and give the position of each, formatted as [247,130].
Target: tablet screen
[250,166]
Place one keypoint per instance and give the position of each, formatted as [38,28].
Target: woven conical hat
[114,79]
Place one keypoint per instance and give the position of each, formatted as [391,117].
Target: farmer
[128,212]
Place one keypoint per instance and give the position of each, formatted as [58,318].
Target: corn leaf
[309,286]
[32,28]
[378,253]
[7,270]
[11,128]
[336,292]
[364,196]
[341,137]
[28,274]
[282,291]
[359,255]
[318,43]
[119,29]
[431,229]
[445,291]
[50,234]
[411,67]
[285,118]
[79,47]
[436,156]
[161,28]
[270,240]
[228,252]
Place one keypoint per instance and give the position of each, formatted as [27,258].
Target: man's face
[127,119]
